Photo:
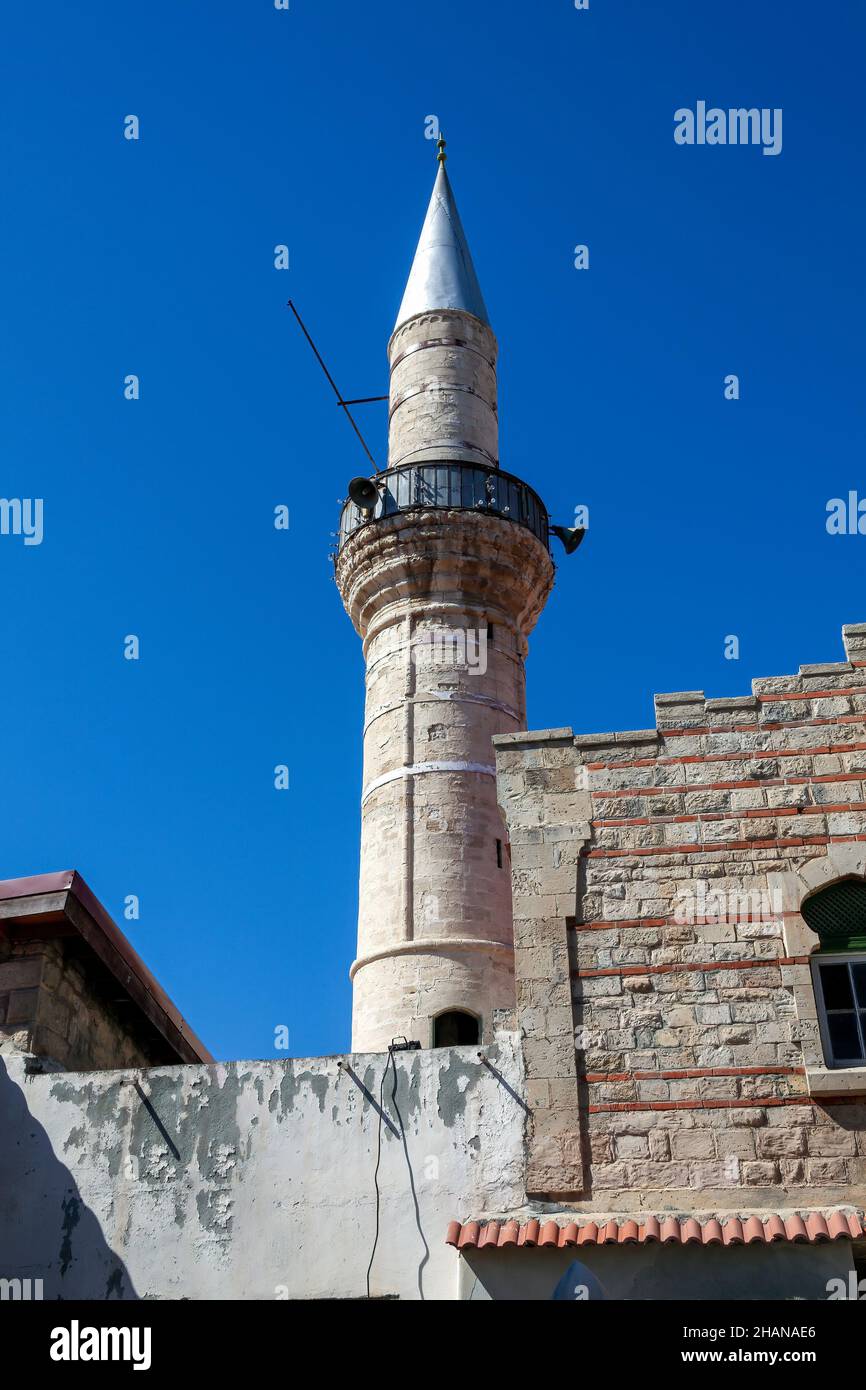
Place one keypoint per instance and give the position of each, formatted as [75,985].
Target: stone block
[781,1143]
[694,1144]
[826,1170]
[21,1006]
[760,1174]
[21,973]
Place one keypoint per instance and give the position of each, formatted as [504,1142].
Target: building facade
[680,893]
[635,961]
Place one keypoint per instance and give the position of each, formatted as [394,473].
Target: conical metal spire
[442,274]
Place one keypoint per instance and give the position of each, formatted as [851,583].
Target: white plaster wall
[255,1179]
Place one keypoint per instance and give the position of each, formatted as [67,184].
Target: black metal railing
[452,486]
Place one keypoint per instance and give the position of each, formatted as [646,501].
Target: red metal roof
[808,1227]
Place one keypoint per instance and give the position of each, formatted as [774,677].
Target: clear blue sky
[261,127]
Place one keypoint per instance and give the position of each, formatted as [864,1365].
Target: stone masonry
[51,1007]
[74,994]
[662,964]
[434,922]
[444,599]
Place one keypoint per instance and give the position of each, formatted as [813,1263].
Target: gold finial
[440,145]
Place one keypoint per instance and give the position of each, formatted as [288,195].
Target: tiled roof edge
[806,1227]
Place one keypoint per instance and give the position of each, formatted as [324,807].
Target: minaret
[444,578]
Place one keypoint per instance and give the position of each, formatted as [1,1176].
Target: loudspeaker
[364,493]
[571,536]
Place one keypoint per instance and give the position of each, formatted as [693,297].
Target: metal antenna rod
[334,387]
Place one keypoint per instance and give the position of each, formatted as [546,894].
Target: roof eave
[65,905]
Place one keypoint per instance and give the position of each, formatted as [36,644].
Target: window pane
[467,482]
[859,973]
[426,487]
[453,486]
[844,1038]
[837,987]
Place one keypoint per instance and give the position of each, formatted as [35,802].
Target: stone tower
[443,576]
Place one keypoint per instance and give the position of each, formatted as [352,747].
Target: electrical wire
[390,1062]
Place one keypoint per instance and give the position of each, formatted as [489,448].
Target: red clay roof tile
[691,1232]
[776,1228]
[509,1233]
[811,1226]
[795,1228]
[549,1234]
[816,1227]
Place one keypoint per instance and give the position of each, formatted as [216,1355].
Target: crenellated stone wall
[665,869]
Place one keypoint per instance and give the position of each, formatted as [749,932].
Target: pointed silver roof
[442,274]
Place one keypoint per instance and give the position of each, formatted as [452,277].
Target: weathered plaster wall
[255,1179]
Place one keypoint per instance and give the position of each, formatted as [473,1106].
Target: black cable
[412,1187]
[392,1063]
[379,1159]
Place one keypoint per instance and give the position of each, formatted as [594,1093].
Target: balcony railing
[451,486]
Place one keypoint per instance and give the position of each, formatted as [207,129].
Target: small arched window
[838,915]
[455,1029]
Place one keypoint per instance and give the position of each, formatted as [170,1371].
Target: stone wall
[548,817]
[442,402]
[664,869]
[53,1007]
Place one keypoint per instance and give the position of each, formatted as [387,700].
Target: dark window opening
[841,988]
[499,854]
[490,632]
[455,1029]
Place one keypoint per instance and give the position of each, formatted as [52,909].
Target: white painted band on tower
[418,768]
